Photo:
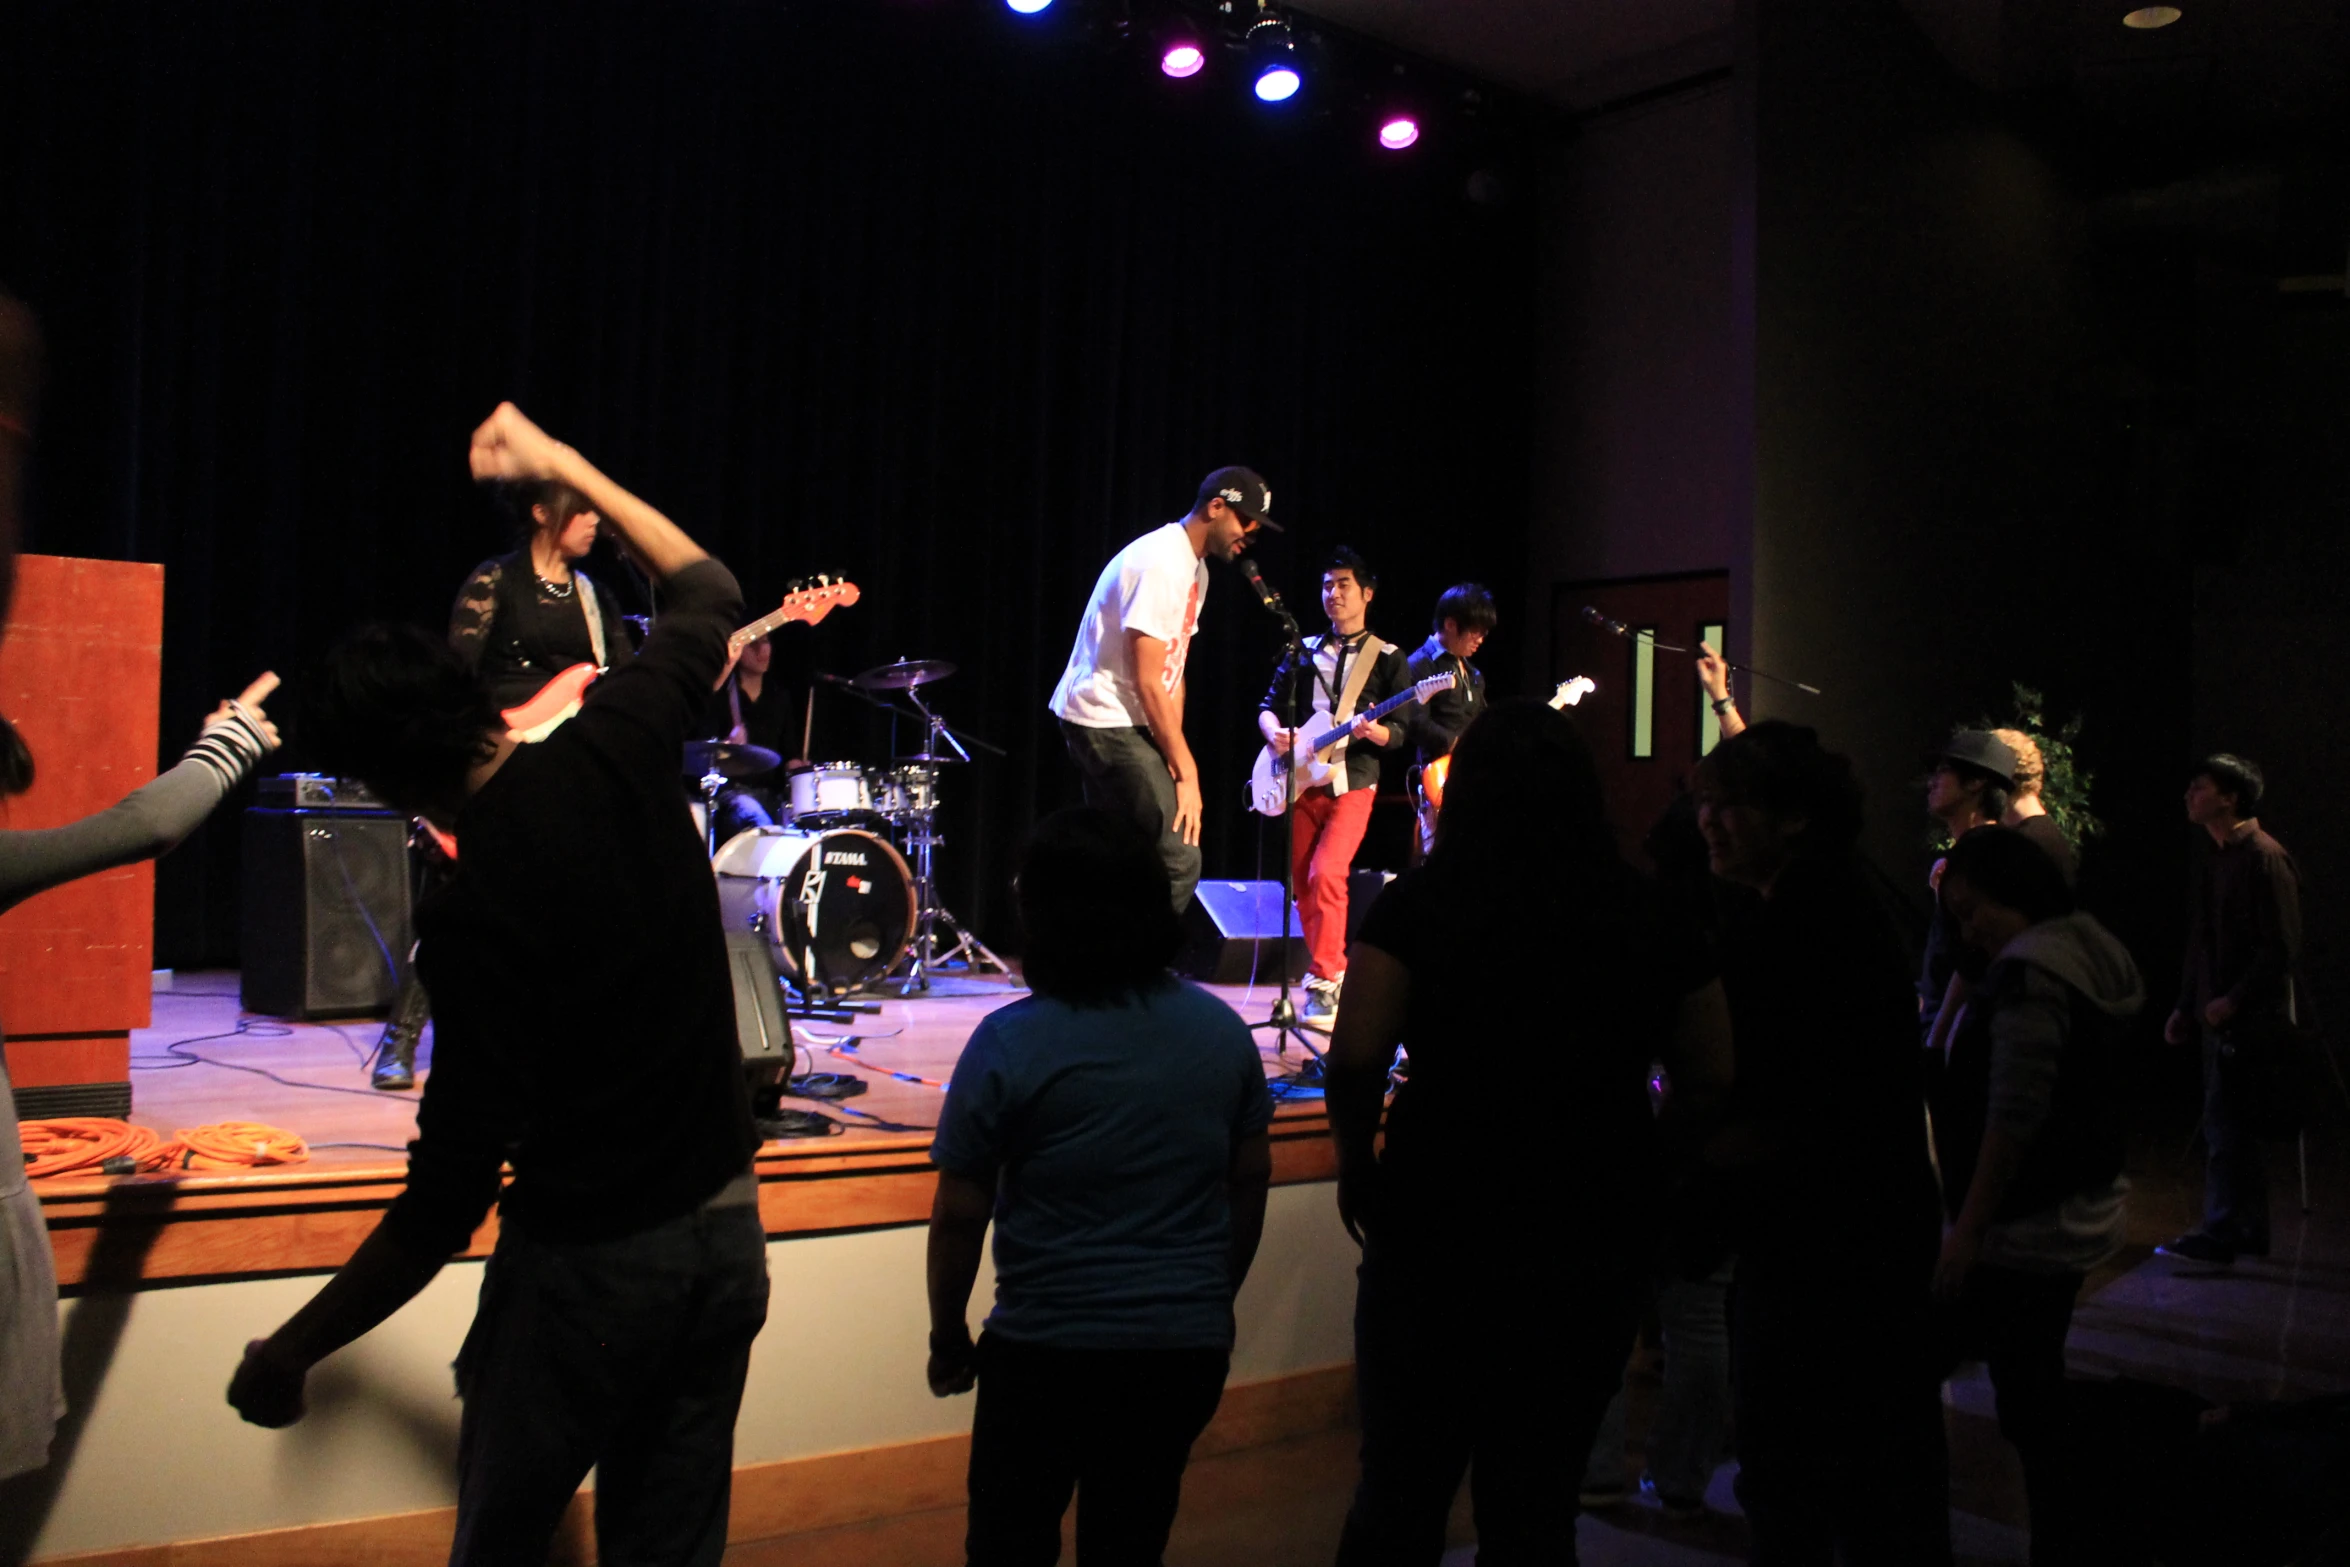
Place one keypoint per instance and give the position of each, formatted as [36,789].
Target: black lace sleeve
[475,613]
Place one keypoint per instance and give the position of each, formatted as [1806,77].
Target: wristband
[1722,704]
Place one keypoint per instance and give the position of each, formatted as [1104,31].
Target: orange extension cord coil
[73,1143]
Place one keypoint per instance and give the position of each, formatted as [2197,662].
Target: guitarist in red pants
[1349,671]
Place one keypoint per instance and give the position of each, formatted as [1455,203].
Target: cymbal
[728,760]
[922,756]
[904,675]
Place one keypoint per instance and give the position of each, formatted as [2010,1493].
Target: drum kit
[844,889]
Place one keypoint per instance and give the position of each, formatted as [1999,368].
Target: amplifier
[325,917]
[317,792]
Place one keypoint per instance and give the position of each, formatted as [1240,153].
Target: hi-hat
[925,756]
[904,675]
[728,760]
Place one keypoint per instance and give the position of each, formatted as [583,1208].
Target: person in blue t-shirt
[1113,1126]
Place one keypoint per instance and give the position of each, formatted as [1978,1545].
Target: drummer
[749,708]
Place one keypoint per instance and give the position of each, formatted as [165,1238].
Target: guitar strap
[1358,677]
[595,616]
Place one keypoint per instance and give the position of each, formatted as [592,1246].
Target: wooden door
[1648,722]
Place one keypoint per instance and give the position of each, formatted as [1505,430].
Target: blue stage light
[1272,60]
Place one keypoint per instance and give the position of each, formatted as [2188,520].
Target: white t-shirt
[1155,586]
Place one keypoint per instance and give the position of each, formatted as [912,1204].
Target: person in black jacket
[1464,618]
[629,1279]
[1330,817]
[1823,1164]
[2028,1130]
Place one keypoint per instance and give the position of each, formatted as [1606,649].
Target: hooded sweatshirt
[2036,1057]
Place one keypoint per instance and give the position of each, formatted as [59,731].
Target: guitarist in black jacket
[1331,815]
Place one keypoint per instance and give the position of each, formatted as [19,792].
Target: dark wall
[1959,479]
[913,293]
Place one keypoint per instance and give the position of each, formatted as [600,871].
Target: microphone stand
[1618,628]
[1283,1018]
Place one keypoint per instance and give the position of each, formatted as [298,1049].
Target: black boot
[394,1067]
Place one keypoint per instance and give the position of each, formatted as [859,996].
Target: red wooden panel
[81,678]
[52,1063]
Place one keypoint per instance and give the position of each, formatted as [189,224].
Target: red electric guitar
[560,697]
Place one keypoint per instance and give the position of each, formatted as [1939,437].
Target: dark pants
[1501,1375]
[1124,774]
[1838,1407]
[624,1355]
[2235,1178]
[2015,1323]
[1113,1425]
[741,809]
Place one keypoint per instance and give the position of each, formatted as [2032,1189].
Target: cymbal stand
[921,835]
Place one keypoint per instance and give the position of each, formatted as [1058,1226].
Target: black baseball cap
[1242,489]
[1979,748]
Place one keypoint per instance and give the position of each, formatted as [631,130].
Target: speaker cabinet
[1233,931]
[760,1027]
[325,924]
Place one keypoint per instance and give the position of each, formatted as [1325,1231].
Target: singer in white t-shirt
[1120,701]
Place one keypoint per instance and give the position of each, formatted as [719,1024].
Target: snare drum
[904,790]
[829,792]
[837,908]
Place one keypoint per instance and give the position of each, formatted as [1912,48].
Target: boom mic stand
[1283,1018]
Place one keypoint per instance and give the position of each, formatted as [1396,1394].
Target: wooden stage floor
[205,1060]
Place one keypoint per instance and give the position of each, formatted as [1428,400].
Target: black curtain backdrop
[949,303]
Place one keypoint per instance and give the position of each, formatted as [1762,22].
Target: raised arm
[1713,673]
[152,818]
[508,446]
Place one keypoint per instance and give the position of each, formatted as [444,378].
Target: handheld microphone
[1591,613]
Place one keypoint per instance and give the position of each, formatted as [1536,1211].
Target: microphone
[1256,579]
[1615,627]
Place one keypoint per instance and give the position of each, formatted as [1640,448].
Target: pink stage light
[1399,133]
[1181,60]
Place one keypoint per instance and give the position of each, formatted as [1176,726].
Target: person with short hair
[578,967]
[1823,1164]
[1329,819]
[2027,812]
[2240,992]
[1112,1126]
[2028,1130]
[1121,696]
[751,707]
[1465,616]
[1476,1349]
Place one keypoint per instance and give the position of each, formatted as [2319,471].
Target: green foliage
[2065,790]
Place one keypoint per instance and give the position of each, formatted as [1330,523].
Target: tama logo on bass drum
[843,857]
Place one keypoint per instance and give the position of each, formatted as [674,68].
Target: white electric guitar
[1267,795]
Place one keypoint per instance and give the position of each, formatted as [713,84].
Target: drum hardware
[904,675]
[711,763]
[836,907]
[830,794]
[904,795]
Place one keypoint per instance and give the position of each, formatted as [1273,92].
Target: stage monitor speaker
[325,926]
[759,1024]
[1232,932]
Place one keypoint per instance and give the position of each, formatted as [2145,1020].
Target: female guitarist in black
[520,620]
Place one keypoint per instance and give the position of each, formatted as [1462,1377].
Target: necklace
[558,591]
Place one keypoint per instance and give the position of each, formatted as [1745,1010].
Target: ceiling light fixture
[1399,132]
[1272,58]
[1183,58]
[2148,17]
[1028,7]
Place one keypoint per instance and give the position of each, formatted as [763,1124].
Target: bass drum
[836,907]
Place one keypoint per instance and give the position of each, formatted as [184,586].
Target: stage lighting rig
[1183,50]
[1274,68]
